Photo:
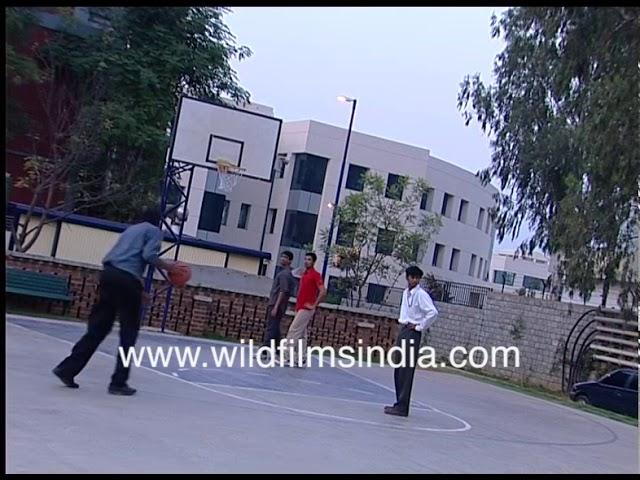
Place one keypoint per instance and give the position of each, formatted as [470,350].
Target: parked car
[617,391]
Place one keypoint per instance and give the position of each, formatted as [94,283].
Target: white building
[511,273]
[285,197]
[535,276]
[310,158]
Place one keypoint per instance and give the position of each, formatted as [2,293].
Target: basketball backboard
[207,132]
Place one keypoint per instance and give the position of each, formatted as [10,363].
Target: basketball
[180,275]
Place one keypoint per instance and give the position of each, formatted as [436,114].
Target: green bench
[36,284]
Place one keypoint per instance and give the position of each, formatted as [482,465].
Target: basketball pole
[325,261]
[173,170]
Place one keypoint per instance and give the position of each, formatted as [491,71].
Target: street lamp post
[325,263]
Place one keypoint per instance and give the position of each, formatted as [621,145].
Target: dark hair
[288,254]
[152,215]
[313,256]
[414,271]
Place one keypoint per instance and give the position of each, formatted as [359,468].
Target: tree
[122,83]
[380,232]
[562,117]
[20,67]
[70,129]
[149,56]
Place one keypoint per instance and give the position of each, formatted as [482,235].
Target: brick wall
[198,311]
[537,327]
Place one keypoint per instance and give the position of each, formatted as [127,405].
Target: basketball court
[281,420]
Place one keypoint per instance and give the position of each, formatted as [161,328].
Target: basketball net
[228,176]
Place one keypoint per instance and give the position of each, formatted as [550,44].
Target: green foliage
[20,68]
[368,219]
[562,116]
[142,61]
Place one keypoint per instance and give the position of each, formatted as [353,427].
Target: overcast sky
[404,65]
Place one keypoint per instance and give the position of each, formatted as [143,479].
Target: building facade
[536,276]
[305,183]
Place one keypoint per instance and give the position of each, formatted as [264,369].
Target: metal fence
[460,293]
[440,290]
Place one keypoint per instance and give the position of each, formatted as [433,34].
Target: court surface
[281,420]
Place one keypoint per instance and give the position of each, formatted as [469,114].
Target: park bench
[36,284]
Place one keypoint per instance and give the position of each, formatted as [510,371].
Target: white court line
[258,374]
[269,404]
[467,426]
[309,381]
[174,374]
[298,394]
[362,391]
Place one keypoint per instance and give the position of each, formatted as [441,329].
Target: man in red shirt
[310,293]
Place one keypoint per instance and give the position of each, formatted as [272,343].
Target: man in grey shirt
[119,293]
[281,289]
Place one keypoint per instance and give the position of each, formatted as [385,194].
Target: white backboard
[206,132]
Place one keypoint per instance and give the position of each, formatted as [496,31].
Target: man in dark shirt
[119,293]
[281,290]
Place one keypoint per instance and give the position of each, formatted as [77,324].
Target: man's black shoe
[68,381]
[395,411]
[121,390]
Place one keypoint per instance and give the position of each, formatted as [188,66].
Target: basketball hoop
[228,175]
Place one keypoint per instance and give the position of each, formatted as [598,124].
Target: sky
[404,65]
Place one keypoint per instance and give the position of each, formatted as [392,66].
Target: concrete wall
[543,326]
[88,245]
[84,244]
[232,304]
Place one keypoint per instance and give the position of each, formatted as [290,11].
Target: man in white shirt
[417,313]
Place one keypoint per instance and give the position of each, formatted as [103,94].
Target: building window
[480,218]
[225,212]
[486,229]
[376,293]
[394,187]
[533,283]
[243,220]
[211,212]
[462,211]
[447,203]
[438,252]
[385,241]
[309,172]
[355,177]
[455,258]
[504,278]
[417,252]
[273,213]
[299,229]
[426,200]
[472,265]
[346,234]
[480,268]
